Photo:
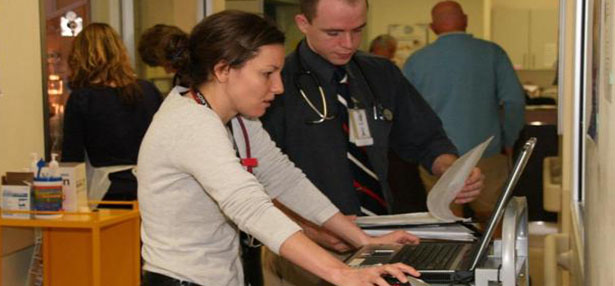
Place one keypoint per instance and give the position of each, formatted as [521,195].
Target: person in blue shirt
[471,85]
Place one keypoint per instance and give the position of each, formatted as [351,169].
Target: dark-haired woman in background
[195,193]
[107,113]
[162,46]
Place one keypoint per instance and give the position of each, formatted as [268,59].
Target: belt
[157,279]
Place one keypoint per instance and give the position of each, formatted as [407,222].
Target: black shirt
[96,121]
[415,133]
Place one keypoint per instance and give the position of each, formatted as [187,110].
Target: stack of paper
[449,232]
[438,203]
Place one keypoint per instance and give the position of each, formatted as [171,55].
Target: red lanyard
[247,162]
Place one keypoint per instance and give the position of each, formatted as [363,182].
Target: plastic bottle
[34,163]
[54,166]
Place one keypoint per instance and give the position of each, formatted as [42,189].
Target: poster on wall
[409,39]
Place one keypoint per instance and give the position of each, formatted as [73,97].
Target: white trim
[209,7]
[200,10]
[342,100]
[368,212]
[579,80]
[128,29]
[578,128]
[360,165]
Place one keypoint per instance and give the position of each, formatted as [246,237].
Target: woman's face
[253,87]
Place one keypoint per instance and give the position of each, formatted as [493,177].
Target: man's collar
[453,33]
[315,63]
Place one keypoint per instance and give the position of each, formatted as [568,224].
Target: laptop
[447,261]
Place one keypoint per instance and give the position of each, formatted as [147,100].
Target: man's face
[335,32]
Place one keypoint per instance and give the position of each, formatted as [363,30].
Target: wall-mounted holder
[509,262]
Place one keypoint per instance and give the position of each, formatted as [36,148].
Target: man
[384,45]
[334,95]
[468,82]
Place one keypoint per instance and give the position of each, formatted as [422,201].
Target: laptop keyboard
[429,256]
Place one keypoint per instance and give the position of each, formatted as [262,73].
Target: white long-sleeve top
[194,195]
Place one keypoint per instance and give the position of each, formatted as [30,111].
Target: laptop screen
[498,212]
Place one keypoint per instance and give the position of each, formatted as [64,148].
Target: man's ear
[433,27]
[221,71]
[302,23]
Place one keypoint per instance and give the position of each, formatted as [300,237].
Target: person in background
[161,46]
[327,81]
[469,83]
[196,192]
[403,175]
[107,113]
[384,45]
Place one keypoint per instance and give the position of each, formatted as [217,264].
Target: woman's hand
[398,236]
[373,275]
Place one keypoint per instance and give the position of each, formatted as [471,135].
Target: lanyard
[247,162]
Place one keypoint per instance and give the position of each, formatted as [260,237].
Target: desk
[97,248]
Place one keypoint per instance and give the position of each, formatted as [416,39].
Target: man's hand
[508,151]
[472,188]
[398,236]
[473,185]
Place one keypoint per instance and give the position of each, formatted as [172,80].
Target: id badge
[359,133]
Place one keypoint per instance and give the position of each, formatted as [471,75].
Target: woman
[194,193]
[162,45]
[107,113]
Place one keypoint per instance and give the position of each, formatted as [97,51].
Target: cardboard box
[75,186]
[15,198]
[15,194]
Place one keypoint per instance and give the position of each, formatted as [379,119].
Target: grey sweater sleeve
[204,150]
[283,180]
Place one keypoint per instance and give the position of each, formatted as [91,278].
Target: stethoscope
[380,112]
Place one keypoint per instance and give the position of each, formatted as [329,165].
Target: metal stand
[508,264]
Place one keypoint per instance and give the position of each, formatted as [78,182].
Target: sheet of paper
[452,181]
[398,219]
[449,232]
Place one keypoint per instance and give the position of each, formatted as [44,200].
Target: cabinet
[529,36]
[98,248]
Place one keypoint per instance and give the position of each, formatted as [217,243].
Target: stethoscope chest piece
[388,114]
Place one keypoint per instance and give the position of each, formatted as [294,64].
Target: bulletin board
[410,37]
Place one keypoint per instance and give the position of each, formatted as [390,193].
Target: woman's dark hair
[161,45]
[230,36]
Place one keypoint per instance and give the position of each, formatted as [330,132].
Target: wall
[252,6]
[385,12]
[600,191]
[180,13]
[416,13]
[21,112]
[524,4]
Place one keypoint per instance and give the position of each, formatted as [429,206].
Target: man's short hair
[382,41]
[308,7]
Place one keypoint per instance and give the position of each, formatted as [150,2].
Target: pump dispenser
[54,166]
[34,163]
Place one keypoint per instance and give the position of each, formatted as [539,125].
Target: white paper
[440,196]
[398,219]
[452,181]
[449,232]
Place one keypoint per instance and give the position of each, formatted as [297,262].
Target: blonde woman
[107,113]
